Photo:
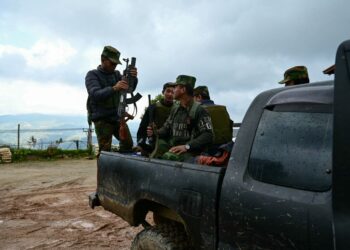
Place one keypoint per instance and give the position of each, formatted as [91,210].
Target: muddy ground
[44,205]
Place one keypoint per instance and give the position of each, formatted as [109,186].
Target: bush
[48,154]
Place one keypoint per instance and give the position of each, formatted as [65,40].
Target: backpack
[222,124]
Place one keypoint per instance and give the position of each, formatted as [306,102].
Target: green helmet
[112,54]
[298,74]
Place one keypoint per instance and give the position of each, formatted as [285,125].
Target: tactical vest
[161,113]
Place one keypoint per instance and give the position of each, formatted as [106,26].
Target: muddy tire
[161,237]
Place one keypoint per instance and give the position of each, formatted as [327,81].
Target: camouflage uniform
[105,130]
[295,75]
[103,103]
[156,115]
[180,129]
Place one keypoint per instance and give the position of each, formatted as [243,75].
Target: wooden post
[18,135]
[89,138]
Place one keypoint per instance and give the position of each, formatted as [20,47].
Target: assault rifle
[124,101]
[151,120]
[146,142]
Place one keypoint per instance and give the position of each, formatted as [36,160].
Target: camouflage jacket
[180,129]
[157,113]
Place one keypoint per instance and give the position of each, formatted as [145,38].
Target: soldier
[295,75]
[219,152]
[155,115]
[183,135]
[104,85]
[201,95]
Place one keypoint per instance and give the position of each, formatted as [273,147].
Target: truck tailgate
[190,190]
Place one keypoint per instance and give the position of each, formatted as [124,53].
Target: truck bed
[130,186]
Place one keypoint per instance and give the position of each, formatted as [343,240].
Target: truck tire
[161,237]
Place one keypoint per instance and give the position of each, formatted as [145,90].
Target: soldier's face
[289,83]
[179,91]
[169,94]
[197,98]
[108,66]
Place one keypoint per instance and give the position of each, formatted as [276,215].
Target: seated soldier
[183,135]
[220,151]
[155,116]
[295,76]
[201,95]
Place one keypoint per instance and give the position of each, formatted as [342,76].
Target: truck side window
[293,149]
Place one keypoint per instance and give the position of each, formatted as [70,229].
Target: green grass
[48,154]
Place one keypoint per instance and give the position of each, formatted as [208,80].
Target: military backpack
[222,124]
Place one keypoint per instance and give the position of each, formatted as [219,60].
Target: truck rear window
[293,149]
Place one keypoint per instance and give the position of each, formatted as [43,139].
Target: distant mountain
[42,121]
[36,125]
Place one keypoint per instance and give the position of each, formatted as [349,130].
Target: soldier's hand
[149,131]
[121,85]
[133,72]
[178,149]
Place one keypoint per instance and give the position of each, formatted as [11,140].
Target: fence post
[89,137]
[77,143]
[18,135]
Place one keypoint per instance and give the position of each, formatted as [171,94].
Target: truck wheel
[161,237]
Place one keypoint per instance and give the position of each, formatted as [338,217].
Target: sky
[238,48]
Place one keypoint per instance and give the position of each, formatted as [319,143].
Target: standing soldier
[188,129]
[104,85]
[295,75]
[155,115]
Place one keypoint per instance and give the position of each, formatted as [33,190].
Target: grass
[49,154]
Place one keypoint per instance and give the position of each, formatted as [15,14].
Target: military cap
[201,90]
[112,54]
[297,73]
[185,80]
[167,85]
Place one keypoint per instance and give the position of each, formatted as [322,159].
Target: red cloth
[214,161]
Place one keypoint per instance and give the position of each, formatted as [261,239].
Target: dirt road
[44,205]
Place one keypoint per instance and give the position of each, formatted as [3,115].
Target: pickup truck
[286,185]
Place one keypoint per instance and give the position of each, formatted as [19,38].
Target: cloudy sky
[237,48]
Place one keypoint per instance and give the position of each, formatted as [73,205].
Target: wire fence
[65,138]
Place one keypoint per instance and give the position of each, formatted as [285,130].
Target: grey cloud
[238,45]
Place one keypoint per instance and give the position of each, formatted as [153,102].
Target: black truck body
[285,185]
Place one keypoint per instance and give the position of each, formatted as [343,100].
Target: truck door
[276,193]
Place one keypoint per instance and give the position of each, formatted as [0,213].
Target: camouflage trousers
[161,151]
[104,132]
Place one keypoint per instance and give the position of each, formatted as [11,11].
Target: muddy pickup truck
[286,185]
